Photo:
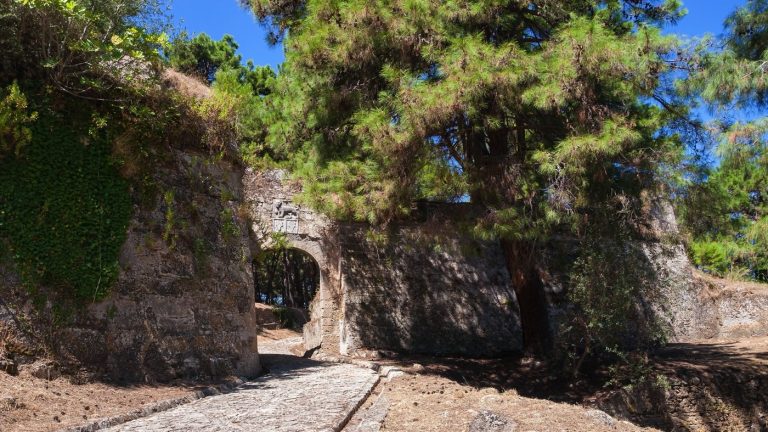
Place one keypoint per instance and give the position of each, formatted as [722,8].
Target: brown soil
[277,334]
[431,403]
[720,284]
[29,404]
[714,386]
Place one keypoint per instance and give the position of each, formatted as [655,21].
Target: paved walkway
[296,395]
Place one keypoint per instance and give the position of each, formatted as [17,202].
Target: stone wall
[687,306]
[695,307]
[183,304]
[426,288]
[312,233]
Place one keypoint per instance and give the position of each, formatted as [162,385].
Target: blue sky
[705,16]
[219,17]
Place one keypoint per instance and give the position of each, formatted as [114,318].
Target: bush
[612,285]
[711,256]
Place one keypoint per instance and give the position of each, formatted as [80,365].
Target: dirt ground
[446,394]
[267,335]
[430,403]
[29,404]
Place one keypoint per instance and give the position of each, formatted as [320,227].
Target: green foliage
[230,230]
[82,48]
[724,207]
[712,256]
[64,208]
[284,317]
[201,56]
[748,30]
[15,119]
[537,110]
[233,119]
[169,228]
[726,214]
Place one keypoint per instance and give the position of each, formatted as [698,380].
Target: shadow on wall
[427,289]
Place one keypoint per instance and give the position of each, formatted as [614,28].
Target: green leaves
[81,48]
[65,209]
[725,208]
[15,119]
[529,108]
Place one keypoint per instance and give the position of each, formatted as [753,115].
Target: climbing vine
[64,209]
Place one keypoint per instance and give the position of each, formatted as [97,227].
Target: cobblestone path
[296,395]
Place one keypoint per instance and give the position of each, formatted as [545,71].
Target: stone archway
[420,287]
[277,218]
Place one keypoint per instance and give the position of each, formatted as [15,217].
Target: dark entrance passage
[286,277]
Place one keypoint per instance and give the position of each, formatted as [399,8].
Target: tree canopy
[536,110]
[203,57]
[724,206]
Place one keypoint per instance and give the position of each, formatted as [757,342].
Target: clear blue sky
[705,16]
[219,17]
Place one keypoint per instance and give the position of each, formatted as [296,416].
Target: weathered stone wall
[183,305]
[695,307]
[651,259]
[426,288]
[314,234]
[685,306]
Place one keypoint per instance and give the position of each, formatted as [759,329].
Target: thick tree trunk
[529,288]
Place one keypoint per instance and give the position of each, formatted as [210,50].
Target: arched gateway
[418,287]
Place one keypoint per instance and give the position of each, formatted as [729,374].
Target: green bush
[611,285]
[712,256]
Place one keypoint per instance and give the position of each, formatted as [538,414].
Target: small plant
[663,382]
[227,196]
[609,285]
[229,228]
[14,121]
[170,220]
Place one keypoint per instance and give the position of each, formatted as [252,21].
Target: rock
[601,417]
[489,421]
[44,370]
[9,366]
[390,372]
[490,399]
[418,368]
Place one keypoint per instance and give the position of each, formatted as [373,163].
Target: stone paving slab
[297,395]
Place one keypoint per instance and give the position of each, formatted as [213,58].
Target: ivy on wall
[64,208]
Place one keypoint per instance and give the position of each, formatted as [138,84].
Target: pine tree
[533,109]
[546,113]
[725,208]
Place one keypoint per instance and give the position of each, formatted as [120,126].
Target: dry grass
[720,285]
[186,85]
